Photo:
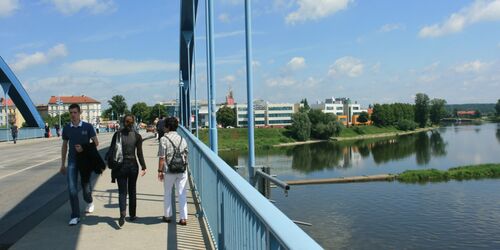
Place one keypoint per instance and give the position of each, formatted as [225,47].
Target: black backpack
[178,163]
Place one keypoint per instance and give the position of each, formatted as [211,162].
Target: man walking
[14,130]
[76,133]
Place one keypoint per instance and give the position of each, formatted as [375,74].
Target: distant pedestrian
[14,130]
[172,169]
[76,134]
[126,174]
[47,130]
[160,127]
[58,130]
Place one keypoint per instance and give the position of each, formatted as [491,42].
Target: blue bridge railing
[238,216]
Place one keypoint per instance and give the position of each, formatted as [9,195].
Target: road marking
[28,168]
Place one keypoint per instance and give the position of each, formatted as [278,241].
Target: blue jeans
[72,178]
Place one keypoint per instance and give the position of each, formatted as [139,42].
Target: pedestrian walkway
[100,229]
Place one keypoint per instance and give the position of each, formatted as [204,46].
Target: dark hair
[171,123]
[128,115]
[74,106]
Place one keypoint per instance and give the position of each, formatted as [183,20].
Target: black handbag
[114,156]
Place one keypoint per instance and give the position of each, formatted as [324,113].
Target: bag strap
[176,149]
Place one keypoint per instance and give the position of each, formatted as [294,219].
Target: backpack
[178,163]
[114,156]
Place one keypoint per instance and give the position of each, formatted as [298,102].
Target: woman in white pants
[171,143]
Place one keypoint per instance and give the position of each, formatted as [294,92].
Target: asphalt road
[30,185]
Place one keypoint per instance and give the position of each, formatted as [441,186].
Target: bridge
[225,210]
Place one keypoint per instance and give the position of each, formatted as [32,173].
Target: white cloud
[376,67]
[479,11]
[316,9]
[391,27]
[7,7]
[69,7]
[349,66]
[229,79]
[114,67]
[224,34]
[24,61]
[224,17]
[281,81]
[474,66]
[65,83]
[296,63]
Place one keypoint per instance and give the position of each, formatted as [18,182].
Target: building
[267,114]
[13,115]
[91,108]
[346,111]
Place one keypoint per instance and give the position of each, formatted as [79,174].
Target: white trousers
[180,181]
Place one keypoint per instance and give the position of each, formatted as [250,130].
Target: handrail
[238,216]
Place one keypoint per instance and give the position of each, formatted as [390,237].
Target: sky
[380,51]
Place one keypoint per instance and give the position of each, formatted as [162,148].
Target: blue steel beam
[186,45]
[19,96]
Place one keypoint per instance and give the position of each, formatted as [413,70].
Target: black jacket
[89,160]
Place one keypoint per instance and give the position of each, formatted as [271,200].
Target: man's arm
[161,163]
[94,139]
[64,151]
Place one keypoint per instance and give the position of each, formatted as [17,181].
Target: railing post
[210,65]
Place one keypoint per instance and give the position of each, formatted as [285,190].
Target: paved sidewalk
[100,229]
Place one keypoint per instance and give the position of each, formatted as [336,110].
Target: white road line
[24,169]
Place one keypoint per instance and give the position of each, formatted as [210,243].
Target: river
[391,215]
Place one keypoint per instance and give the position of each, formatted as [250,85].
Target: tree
[118,106]
[363,117]
[497,107]
[156,111]
[421,109]
[301,126]
[306,104]
[437,110]
[141,111]
[226,116]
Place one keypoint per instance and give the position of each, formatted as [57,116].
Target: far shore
[359,137]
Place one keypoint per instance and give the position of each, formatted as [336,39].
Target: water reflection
[314,157]
[498,132]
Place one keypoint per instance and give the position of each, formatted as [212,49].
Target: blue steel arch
[19,96]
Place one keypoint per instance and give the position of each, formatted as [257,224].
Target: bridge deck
[100,229]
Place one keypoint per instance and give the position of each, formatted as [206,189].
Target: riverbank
[371,132]
[458,173]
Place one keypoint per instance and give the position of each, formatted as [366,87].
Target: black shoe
[132,218]
[121,221]
[165,219]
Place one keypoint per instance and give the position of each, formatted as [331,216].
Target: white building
[341,107]
[91,109]
[267,114]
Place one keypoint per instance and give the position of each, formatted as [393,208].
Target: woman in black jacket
[126,174]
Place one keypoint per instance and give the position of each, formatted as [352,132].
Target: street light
[59,103]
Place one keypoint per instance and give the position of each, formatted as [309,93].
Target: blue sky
[371,51]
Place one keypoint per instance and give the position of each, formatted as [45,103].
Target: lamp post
[59,103]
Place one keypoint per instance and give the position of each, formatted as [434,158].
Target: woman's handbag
[114,156]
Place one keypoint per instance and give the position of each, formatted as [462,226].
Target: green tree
[301,126]
[421,109]
[437,110]
[226,116]
[306,104]
[141,111]
[497,107]
[118,106]
[156,111]
[363,117]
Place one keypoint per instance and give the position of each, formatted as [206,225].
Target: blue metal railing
[238,216]
[24,133]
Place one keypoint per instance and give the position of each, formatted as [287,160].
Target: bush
[406,125]
[301,126]
[359,130]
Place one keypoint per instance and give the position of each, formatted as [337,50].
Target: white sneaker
[74,221]
[90,208]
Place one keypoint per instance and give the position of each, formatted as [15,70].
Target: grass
[367,130]
[458,173]
[237,138]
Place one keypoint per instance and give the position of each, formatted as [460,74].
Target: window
[242,109]
[329,108]
[280,122]
[280,108]
[281,115]
[355,108]
[340,108]
[259,115]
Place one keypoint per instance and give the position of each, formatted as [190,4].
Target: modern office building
[267,114]
[346,111]
[91,108]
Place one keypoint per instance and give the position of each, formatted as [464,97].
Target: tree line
[118,108]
